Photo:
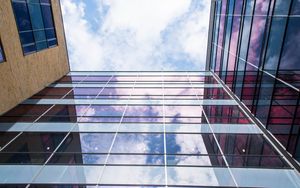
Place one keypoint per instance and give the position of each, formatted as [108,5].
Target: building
[128,129]
[253,49]
[32,49]
[150,129]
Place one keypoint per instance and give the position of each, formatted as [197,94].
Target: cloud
[136,34]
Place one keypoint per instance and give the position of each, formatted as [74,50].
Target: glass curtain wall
[257,58]
[137,129]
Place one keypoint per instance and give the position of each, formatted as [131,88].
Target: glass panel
[139,175]
[6,137]
[234,35]
[37,25]
[275,44]
[23,158]
[26,110]
[144,111]
[191,144]
[141,127]
[276,178]
[282,7]
[225,114]
[53,91]
[221,35]
[227,37]
[31,16]
[78,158]
[35,142]
[69,174]
[257,32]
[190,160]
[296,7]
[22,16]
[50,127]
[96,127]
[87,143]
[138,143]
[135,159]
[47,16]
[193,176]
[289,65]
[25,173]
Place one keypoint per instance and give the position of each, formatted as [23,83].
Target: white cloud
[137,34]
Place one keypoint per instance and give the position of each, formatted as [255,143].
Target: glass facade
[254,51]
[35,24]
[137,129]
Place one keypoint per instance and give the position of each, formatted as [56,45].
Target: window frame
[40,3]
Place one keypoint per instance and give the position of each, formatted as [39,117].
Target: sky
[136,35]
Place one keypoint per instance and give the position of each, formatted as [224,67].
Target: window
[2,57]
[35,24]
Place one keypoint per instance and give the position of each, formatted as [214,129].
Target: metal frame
[36,51]
[268,135]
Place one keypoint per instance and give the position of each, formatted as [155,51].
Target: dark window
[2,57]
[35,24]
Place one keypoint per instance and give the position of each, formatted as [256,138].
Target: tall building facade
[254,49]
[32,48]
[151,129]
[138,129]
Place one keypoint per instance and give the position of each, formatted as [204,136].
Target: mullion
[116,133]
[279,62]
[241,29]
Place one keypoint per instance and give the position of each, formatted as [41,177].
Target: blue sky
[136,34]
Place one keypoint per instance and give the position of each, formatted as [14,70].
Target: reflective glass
[195,160]
[48,24]
[35,142]
[23,158]
[204,176]
[35,25]
[154,160]
[25,110]
[87,143]
[282,7]
[174,136]
[63,174]
[227,34]
[22,16]
[25,173]
[265,177]
[138,143]
[86,91]
[53,91]
[225,114]
[191,144]
[177,111]
[221,34]
[257,32]
[144,111]
[289,61]
[6,137]
[296,7]
[78,159]
[139,175]
[275,44]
